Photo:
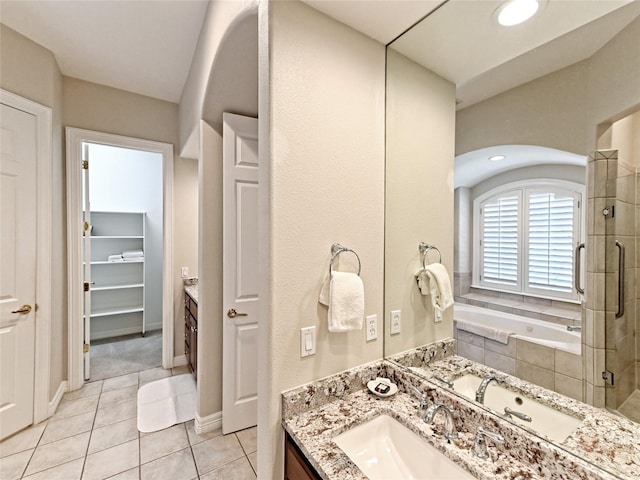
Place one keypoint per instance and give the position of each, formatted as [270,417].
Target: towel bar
[337,249]
[424,251]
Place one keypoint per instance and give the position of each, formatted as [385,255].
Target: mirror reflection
[518,216]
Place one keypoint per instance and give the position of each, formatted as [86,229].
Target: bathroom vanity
[316,414]
[191,324]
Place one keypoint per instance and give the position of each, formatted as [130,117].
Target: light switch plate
[394,320]
[185,272]
[307,341]
[371,326]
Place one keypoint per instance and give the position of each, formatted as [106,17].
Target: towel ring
[337,249]
[424,251]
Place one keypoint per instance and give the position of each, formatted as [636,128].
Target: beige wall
[104,109]
[210,279]
[326,184]
[550,111]
[31,71]
[219,17]
[614,80]
[419,177]
[563,109]
[625,137]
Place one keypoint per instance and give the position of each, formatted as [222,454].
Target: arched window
[525,234]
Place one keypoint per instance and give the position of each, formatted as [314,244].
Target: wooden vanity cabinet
[296,466]
[191,332]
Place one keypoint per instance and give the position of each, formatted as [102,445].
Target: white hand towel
[486,331]
[439,286]
[346,302]
[324,292]
[114,258]
[132,254]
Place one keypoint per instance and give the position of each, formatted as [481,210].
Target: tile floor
[93,436]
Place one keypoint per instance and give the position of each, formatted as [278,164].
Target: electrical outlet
[185,272]
[395,318]
[372,327]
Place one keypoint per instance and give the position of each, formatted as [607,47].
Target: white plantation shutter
[551,239]
[499,242]
[525,238]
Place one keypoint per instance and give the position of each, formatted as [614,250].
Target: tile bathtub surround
[94,435]
[521,456]
[551,368]
[602,438]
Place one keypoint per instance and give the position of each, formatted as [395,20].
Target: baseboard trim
[179,361]
[57,398]
[207,424]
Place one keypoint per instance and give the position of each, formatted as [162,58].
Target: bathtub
[532,330]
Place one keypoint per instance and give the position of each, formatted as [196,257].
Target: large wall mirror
[490,138]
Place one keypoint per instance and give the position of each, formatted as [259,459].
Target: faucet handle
[480,444]
[422,408]
[421,395]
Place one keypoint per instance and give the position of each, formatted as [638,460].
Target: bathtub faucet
[574,328]
[483,387]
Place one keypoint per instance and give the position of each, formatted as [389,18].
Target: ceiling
[463,42]
[146,46]
[143,47]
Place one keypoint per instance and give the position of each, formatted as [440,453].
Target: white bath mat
[165,402]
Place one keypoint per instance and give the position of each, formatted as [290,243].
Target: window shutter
[500,240]
[551,240]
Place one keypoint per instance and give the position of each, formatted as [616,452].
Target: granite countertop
[191,288]
[314,414]
[602,438]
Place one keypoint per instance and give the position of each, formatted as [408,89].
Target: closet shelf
[116,237]
[115,286]
[104,262]
[118,295]
[104,312]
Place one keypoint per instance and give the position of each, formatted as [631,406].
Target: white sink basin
[385,449]
[555,425]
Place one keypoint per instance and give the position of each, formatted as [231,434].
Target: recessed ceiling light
[495,158]
[515,12]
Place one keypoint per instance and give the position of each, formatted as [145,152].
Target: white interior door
[86,271]
[240,273]
[18,272]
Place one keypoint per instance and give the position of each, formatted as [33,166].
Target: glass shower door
[621,294]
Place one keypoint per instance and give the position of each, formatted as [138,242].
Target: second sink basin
[555,425]
[383,448]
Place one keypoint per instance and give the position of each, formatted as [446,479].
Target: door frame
[74,139]
[44,202]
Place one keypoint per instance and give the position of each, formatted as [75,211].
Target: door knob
[231,313]
[23,309]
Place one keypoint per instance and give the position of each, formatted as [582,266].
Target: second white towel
[434,281]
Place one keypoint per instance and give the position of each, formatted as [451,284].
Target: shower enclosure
[612,320]
[621,290]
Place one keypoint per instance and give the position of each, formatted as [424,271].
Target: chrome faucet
[574,328]
[447,382]
[522,416]
[483,387]
[449,425]
[480,443]
[422,407]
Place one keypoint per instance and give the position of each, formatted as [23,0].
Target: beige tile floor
[93,436]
